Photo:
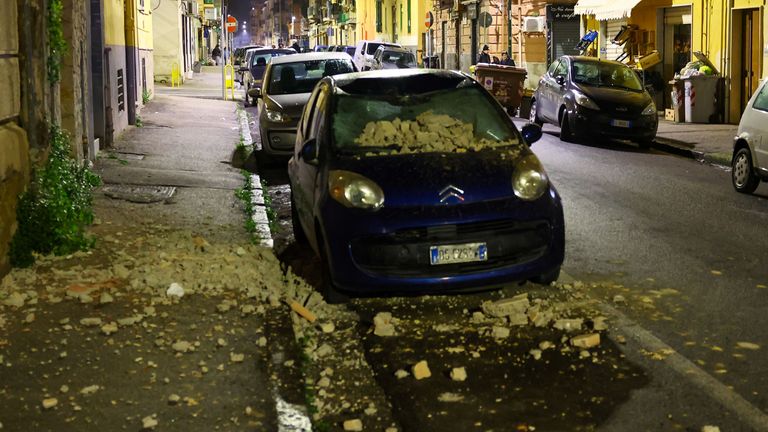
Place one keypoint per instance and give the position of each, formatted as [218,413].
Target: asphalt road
[687,257]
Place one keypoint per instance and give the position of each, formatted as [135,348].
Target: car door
[307,170]
[756,124]
[545,92]
[557,91]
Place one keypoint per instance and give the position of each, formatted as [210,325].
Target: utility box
[700,98]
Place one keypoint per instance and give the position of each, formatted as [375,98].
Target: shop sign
[560,12]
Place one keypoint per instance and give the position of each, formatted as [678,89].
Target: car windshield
[455,120]
[301,77]
[265,58]
[604,74]
[398,58]
[372,47]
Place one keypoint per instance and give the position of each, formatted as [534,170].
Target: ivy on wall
[57,45]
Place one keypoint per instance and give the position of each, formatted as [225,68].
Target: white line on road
[728,398]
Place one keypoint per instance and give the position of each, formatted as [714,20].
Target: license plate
[460,253]
[621,123]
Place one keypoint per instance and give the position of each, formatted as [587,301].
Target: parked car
[241,68]
[400,189]
[586,96]
[347,49]
[239,56]
[288,83]
[320,48]
[750,148]
[365,50]
[389,57]
[257,65]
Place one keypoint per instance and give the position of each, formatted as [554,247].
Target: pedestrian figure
[216,53]
[506,60]
[296,47]
[484,57]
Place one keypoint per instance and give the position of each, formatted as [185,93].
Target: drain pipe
[520,31]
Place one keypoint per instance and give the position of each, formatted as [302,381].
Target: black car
[256,67]
[587,96]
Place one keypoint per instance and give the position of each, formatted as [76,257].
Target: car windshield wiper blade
[368,148]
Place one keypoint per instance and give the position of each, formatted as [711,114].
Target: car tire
[298,231]
[328,289]
[743,176]
[548,277]
[534,115]
[566,135]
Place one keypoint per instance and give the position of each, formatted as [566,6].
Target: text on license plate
[459,253]
[621,123]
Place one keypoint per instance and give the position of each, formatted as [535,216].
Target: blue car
[414,181]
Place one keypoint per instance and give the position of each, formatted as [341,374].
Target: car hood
[290,104]
[415,180]
[612,99]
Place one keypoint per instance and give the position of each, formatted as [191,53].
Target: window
[409,16]
[379,17]
[552,67]
[761,100]
[401,17]
[562,69]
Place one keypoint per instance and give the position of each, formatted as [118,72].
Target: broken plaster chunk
[569,324]
[91,389]
[400,374]
[262,342]
[499,332]
[545,345]
[174,399]
[710,428]
[91,322]
[535,353]
[236,358]
[618,298]
[586,340]
[421,370]
[182,346]
[175,290]
[324,382]
[327,327]
[450,397]
[506,307]
[599,324]
[149,422]
[105,298]
[15,300]
[354,425]
[459,374]
[324,350]
[110,328]
[50,403]
[384,324]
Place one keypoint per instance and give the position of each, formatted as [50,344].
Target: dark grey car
[288,83]
[587,96]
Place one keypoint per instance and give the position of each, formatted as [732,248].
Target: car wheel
[566,135]
[547,277]
[298,231]
[742,175]
[327,288]
[534,115]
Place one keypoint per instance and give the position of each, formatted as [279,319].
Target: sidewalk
[707,142]
[205,84]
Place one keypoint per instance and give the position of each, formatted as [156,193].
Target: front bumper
[587,122]
[388,251]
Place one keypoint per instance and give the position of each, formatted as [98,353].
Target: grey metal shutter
[610,29]
[563,32]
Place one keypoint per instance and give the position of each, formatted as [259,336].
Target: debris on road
[50,403]
[459,374]
[354,425]
[302,311]
[175,290]
[421,370]
[586,340]
[747,346]
[384,324]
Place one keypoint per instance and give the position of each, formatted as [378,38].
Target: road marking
[729,399]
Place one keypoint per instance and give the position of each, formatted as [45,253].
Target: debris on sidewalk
[384,324]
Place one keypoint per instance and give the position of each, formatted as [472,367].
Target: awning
[605,10]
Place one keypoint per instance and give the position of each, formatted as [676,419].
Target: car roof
[412,80]
[274,50]
[587,59]
[392,48]
[325,55]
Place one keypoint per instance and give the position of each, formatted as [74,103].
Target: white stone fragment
[175,290]
[459,374]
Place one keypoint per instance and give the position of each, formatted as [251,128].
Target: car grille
[405,253]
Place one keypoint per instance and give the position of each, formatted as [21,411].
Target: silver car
[286,88]
[750,149]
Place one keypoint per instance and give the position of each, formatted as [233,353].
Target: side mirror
[560,79]
[254,92]
[531,133]
[309,151]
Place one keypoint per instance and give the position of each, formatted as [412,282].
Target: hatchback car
[750,149]
[387,57]
[587,96]
[364,51]
[288,83]
[257,65]
[400,189]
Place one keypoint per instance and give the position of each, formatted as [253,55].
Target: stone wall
[14,148]
[74,78]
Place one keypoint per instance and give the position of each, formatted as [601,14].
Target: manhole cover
[129,156]
[139,194]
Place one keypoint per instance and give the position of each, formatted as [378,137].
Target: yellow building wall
[144,26]
[366,20]
[114,22]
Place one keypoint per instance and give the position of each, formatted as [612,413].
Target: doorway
[394,24]
[746,59]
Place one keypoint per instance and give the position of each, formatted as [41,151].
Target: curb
[259,215]
[681,148]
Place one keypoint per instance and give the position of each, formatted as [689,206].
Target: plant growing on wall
[55,210]
[57,45]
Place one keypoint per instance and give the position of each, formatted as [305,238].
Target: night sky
[240,9]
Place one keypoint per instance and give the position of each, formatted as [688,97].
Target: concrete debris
[182,346]
[545,345]
[110,328]
[450,397]
[709,428]
[91,389]
[247,309]
[445,328]
[498,332]
[747,345]
[370,410]
[384,324]
[105,298]
[599,324]
[478,317]
[175,290]
[618,298]
[584,354]
[569,324]
[539,317]
[324,350]
[150,311]
[324,382]
[64,388]
[240,251]
[586,340]
[400,374]
[236,358]
[421,370]
[535,353]
[262,341]
[90,322]
[174,399]
[505,307]
[518,319]
[458,374]
[302,311]
[149,422]
[16,300]
[621,339]
[50,403]
[354,425]
[30,318]
[327,327]
[221,342]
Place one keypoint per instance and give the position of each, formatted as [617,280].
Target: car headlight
[650,109]
[354,190]
[584,100]
[529,180]
[277,116]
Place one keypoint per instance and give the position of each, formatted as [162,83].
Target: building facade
[175,39]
